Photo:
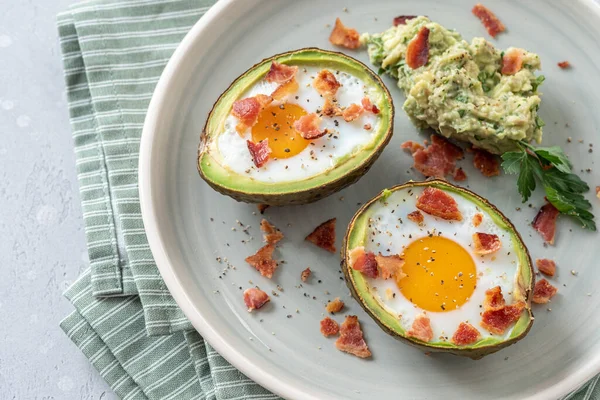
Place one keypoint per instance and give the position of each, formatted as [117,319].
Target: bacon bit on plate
[271,235]
[305,274]
[543,292]
[326,84]
[335,306]
[487,163]
[329,327]
[421,328]
[497,320]
[255,298]
[411,146]
[465,334]
[259,152]
[494,300]
[368,106]
[285,89]
[486,243]
[308,126]
[390,266]
[459,175]
[477,219]
[352,112]
[417,51]
[366,263]
[439,204]
[351,338]
[262,208]
[546,266]
[263,260]
[438,159]
[564,64]
[331,109]
[545,222]
[344,36]
[490,21]
[512,62]
[281,73]
[401,19]
[415,216]
[324,235]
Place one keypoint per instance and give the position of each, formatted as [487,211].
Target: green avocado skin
[227,182]
[474,353]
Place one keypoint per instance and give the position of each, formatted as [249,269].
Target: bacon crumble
[324,235]
[438,203]
[477,219]
[351,338]
[304,275]
[390,266]
[487,163]
[326,84]
[262,208]
[329,327]
[259,152]
[285,89]
[486,243]
[417,51]
[496,321]
[545,222]
[438,159]
[459,175]
[263,260]
[564,65]
[255,298]
[465,334]
[543,291]
[416,217]
[368,106]
[334,306]
[352,112]
[546,266]
[344,36]
[308,127]
[281,73]
[512,62]
[401,19]
[365,263]
[491,23]
[272,235]
[411,146]
[494,300]
[331,109]
[421,328]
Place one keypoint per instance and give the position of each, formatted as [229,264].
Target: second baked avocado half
[295,128]
[440,268]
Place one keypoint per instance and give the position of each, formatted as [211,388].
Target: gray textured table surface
[42,241]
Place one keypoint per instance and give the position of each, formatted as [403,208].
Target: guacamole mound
[461,92]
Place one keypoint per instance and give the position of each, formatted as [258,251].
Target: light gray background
[42,243]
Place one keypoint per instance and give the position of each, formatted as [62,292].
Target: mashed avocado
[461,91]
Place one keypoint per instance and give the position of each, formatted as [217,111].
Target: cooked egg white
[303,159]
[450,281]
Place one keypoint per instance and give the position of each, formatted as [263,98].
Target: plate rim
[264,378]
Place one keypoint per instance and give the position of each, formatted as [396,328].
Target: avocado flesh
[348,168]
[356,236]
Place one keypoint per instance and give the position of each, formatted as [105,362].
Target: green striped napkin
[125,320]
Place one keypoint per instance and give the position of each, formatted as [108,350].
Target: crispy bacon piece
[364,262]
[344,36]
[263,260]
[335,306]
[493,299]
[421,328]
[351,338]
[417,51]
[496,321]
[564,64]
[439,204]
[305,274]
[411,146]
[308,127]
[324,235]
[415,216]
[368,106]
[255,298]
[546,266]
[487,163]
[477,219]
[331,109]
[271,235]
[285,89]
[545,222]
[352,112]
[543,291]
[329,327]
[465,334]
[486,243]
[246,111]
[281,73]
[259,152]
[390,266]
[401,19]
[459,175]
[512,62]
[490,21]
[326,83]
[438,159]
[262,207]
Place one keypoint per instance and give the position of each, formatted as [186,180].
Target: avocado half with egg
[295,128]
[439,267]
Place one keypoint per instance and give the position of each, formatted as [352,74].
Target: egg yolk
[276,123]
[438,274]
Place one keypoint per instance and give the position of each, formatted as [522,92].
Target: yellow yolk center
[438,274]
[276,123]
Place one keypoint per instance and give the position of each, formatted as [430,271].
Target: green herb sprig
[552,169]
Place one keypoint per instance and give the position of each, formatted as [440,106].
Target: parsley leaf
[555,156]
[537,82]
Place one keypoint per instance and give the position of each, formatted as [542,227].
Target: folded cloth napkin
[125,320]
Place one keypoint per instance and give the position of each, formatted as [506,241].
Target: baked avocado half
[440,268]
[295,127]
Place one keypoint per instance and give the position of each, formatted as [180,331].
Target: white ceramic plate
[563,349]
